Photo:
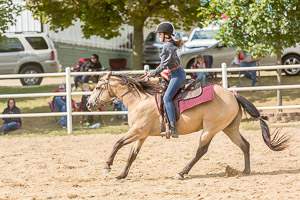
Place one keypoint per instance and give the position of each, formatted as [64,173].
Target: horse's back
[216,114]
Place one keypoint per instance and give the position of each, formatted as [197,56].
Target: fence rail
[224,70]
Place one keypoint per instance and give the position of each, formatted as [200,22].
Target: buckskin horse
[223,113]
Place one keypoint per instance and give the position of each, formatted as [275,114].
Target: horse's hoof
[117,179]
[106,171]
[178,177]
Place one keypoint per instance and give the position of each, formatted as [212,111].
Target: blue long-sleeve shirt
[168,58]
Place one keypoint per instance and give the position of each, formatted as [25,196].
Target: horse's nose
[88,105]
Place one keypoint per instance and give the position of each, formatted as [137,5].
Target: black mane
[139,83]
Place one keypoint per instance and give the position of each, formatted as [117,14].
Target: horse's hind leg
[132,156]
[205,140]
[232,131]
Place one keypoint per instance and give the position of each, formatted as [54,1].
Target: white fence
[69,94]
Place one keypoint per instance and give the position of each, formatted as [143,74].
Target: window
[37,43]
[11,45]
[204,34]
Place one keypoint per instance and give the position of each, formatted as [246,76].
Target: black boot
[173,129]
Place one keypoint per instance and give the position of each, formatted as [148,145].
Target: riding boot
[173,129]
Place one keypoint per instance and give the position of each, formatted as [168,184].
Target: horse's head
[101,94]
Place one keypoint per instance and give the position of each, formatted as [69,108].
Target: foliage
[105,18]
[7,12]
[262,27]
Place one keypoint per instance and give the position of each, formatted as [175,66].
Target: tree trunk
[138,39]
[279,80]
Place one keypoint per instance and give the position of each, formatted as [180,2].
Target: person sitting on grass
[11,123]
[84,100]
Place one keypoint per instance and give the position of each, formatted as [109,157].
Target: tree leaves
[8,10]
[261,27]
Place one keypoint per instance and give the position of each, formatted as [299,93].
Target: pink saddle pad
[207,95]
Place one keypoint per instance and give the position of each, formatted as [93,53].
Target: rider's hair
[177,43]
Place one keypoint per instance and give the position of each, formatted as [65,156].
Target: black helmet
[165,27]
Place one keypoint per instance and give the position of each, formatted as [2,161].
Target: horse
[223,113]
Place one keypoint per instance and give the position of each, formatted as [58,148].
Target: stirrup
[163,134]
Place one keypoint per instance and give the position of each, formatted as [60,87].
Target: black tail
[275,144]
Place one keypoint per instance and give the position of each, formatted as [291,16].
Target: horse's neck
[129,98]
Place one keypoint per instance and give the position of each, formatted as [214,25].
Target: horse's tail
[275,144]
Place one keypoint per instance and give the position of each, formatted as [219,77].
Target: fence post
[224,75]
[69,99]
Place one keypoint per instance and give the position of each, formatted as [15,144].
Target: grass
[44,126]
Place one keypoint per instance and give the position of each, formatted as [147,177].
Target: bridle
[104,86]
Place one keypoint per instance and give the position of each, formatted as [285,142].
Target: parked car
[201,38]
[152,48]
[28,53]
[201,41]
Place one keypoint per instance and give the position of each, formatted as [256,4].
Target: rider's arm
[165,59]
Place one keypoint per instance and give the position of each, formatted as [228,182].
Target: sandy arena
[71,167]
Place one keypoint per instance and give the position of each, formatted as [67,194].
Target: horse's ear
[109,74]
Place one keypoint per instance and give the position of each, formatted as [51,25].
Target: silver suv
[28,53]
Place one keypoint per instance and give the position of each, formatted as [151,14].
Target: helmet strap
[164,37]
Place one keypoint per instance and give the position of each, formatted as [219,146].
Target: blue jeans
[177,78]
[247,74]
[60,106]
[84,79]
[10,126]
[202,76]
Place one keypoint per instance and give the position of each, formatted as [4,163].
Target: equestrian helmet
[165,27]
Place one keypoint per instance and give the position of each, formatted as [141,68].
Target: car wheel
[291,60]
[190,64]
[31,69]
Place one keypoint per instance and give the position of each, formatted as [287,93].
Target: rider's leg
[177,78]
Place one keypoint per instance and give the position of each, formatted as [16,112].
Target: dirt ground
[71,167]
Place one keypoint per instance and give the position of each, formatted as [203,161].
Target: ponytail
[178,43]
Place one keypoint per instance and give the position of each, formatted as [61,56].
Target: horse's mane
[139,83]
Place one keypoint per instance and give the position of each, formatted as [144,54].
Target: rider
[170,60]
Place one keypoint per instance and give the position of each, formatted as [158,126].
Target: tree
[104,17]
[262,27]
[8,11]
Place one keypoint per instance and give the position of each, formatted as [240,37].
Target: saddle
[190,90]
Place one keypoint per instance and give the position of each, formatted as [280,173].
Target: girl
[199,64]
[170,60]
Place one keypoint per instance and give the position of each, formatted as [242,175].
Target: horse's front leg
[132,156]
[131,136]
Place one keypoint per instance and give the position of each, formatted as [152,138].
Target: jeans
[60,106]
[85,79]
[247,74]
[122,107]
[202,76]
[177,78]
[10,126]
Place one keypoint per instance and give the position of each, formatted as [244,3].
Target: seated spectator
[199,64]
[86,65]
[118,105]
[82,105]
[11,123]
[248,61]
[60,104]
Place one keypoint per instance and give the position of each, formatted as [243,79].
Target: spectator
[84,100]
[60,104]
[11,123]
[199,64]
[90,65]
[248,61]
[118,105]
